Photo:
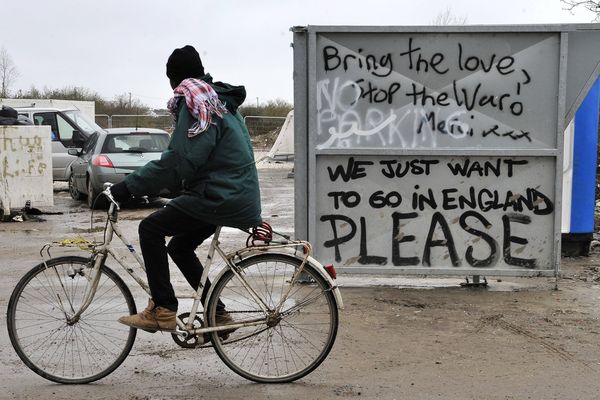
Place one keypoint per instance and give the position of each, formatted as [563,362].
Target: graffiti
[438,223]
[510,133]
[25,167]
[453,211]
[371,63]
[22,157]
[419,95]
[468,167]
[385,98]
[345,127]
[438,131]
[484,199]
[31,145]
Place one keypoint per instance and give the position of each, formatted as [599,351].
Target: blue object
[584,163]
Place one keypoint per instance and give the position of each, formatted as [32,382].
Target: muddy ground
[399,338]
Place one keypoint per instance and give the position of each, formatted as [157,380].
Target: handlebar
[106,192]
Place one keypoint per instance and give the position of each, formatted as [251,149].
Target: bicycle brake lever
[109,195]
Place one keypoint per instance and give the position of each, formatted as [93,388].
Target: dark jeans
[187,234]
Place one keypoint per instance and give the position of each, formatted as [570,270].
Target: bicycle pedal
[166,330]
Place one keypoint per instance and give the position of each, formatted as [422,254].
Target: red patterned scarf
[201,100]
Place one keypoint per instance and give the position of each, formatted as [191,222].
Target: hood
[231,96]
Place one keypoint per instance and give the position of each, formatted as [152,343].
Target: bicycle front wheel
[287,345]
[49,341]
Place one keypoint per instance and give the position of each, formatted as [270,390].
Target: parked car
[69,129]
[109,156]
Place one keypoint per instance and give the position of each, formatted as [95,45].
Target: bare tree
[8,73]
[447,18]
[590,5]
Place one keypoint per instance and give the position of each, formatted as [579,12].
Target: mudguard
[296,255]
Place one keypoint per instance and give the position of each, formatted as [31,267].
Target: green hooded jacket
[214,171]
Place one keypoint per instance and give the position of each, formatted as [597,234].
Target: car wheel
[73,191]
[94,201]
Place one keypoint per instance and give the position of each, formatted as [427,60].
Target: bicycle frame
[101,252]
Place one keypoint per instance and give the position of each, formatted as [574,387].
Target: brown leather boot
[152,319]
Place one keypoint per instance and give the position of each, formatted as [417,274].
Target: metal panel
[434,91]
[300,135]
[560,128]
[583,67]
[409,128]
[312,127]
[440,212]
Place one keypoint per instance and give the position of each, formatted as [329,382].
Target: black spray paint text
[382,64]
[393,168]
[470,210]
[471,222]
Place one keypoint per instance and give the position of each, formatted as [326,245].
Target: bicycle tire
[294,345]
[84,351]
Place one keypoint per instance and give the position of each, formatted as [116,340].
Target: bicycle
[62,315]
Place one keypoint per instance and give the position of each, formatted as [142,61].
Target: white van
[70,128]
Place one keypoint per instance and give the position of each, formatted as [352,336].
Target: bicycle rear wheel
[288,345]
[70,352]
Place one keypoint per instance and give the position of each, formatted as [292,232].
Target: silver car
[109,156]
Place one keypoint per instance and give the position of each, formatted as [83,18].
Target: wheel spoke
[295,341]
[84,350]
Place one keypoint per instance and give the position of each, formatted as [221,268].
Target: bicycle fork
[100,257]
[93,285]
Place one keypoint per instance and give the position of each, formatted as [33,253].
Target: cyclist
[210,164]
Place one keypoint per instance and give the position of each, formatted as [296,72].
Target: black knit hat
[184,63]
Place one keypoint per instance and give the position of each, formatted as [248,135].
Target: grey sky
[121,46]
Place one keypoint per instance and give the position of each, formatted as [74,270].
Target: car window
[82,121]
[47,118]
[90,143]
[65,130]
[136,142]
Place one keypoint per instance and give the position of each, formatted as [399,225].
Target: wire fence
[165,122]
[263,130]
[259,125]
